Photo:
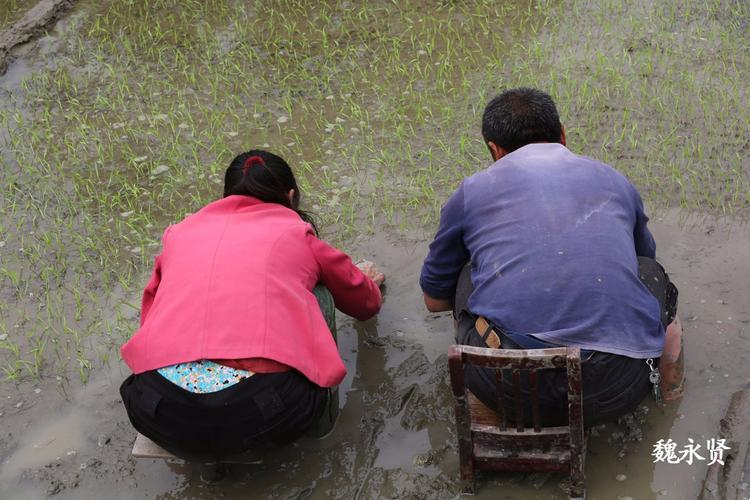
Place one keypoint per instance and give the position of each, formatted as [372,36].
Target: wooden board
[145,448]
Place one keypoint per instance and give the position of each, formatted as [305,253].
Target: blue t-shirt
[553,240]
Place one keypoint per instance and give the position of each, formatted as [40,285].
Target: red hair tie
[252,161]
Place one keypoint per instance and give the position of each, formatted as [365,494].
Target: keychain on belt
[654,377]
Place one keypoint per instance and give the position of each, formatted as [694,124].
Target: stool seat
[145,448]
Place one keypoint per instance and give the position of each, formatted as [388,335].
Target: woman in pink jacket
[234,349]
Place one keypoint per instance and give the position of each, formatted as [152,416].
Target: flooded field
[122,119]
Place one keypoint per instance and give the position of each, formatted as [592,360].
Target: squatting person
[236,345]
[546,248]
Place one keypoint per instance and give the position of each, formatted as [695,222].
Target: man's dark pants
[612,385]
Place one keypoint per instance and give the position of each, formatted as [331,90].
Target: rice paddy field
[122,118]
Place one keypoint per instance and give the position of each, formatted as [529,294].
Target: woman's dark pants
[267,408]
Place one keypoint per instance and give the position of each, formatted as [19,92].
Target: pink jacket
[234,281]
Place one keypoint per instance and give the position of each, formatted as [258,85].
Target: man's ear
[496,151]
[562,134]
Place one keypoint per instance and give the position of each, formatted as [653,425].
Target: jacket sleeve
[448,254]
[354,293]
[149,293]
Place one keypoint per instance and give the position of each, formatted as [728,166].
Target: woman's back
[234,281]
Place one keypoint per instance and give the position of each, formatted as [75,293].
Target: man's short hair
[518,117]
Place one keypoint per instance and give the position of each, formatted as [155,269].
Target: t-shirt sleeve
[645,246]
[149,293]
[448,254]
[353,293]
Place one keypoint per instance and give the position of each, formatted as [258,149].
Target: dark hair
[264,176]
[518,117]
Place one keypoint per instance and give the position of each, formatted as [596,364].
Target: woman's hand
[371,271]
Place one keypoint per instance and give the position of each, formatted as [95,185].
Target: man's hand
[371,271]
[437,305]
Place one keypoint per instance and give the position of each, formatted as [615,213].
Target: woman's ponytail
[267,177]
[250,162]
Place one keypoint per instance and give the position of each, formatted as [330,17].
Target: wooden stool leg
[465,446]
[577,470]
[467,476]
[575,423]
[577,489]
[463,419]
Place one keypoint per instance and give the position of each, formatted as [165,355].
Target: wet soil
[730,481]
[12,10]
[395,435]
[32,23]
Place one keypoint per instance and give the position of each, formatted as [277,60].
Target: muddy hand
[371,271]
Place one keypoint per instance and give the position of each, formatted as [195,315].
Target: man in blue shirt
[558,254]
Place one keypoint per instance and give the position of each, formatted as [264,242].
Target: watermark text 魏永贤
[665,450]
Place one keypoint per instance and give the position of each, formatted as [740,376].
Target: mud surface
[12,10]
[33,22]
[395,435]
[731,480]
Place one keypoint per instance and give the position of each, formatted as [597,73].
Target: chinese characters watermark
[666,451]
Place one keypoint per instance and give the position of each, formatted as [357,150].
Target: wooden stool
[145,448]
[485,440]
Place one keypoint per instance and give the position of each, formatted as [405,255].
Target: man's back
[553,239]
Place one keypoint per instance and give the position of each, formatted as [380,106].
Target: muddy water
[395,435]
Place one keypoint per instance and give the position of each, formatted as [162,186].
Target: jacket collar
[231,203]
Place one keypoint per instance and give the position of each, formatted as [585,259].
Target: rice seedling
[375,104]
